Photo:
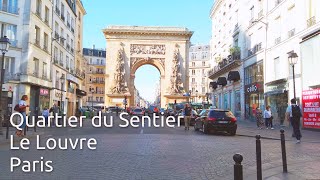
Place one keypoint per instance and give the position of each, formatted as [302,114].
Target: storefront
[39,99]
[71,97]
[253,89]
[58,97]
[254,97]
[276,96]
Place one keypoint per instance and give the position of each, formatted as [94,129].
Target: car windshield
[220,114]
[138,110]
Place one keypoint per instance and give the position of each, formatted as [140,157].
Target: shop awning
[222,81]
[213,84]
[80,92]
[233,76]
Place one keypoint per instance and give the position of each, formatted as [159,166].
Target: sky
[192,14]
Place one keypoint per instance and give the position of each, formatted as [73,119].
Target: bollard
[283,149]
[258,153]
[238,174]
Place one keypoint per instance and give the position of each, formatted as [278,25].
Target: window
[68,19]
[277,67]
[72,25]
[101,99]
[10,31]
[44,71]
[56,27]
[62,10]
[68,45]
[46,15]
[9,65]
[36,67]
[55,53]
[193,80]
[38,6]
[61,35]
[61,56]
[203,63]
[193,72]
[203,90]
[9,6]
[37,33]
[57,79]
[45,42]
[203,80]
[67,62]
[193,64]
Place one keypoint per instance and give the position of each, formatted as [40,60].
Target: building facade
[95,76]
[199,65]
[39,50]
[266,34]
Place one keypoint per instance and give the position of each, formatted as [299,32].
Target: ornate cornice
[140,30]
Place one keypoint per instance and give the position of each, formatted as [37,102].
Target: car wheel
[233,132]
[204,129]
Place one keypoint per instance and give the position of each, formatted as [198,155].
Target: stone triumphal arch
[130,47]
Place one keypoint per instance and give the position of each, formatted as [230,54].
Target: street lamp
[293,59]
[4,47]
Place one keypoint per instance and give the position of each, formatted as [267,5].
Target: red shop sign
[44,92]
[311,108]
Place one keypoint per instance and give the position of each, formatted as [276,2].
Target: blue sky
[192,14]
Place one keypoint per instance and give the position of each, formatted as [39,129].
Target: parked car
[138,112]
[194,115]
[216,120]
[113,109]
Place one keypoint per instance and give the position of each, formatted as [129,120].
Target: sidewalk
[249,129]
[12,131]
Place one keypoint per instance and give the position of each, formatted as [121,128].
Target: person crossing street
[294,114]
[187,116]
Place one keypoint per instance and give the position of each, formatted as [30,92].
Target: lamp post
[4,47]
[293,59]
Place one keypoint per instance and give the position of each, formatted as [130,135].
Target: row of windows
[59,59]
[46,12]
[194,91]
[60,10]
[69,45]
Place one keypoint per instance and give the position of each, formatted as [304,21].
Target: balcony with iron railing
[35,73]
[226,64]
[291,33]
[277,41]
[311,21]
[256,48]
[9,76]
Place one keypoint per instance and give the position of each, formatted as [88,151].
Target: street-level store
[277,98]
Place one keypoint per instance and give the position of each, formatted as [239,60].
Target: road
[156,153]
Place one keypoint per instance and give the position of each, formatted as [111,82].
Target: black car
[216,120]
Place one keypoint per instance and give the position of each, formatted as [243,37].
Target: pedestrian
[22,109]
[259,118]
[294,114]
[45,114]
[187,116]
[268,118]
[55,110]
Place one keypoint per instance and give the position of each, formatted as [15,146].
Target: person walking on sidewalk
[294,114]
[259,118]
[268,117]
[187,116]
[22,109]
[45,114]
